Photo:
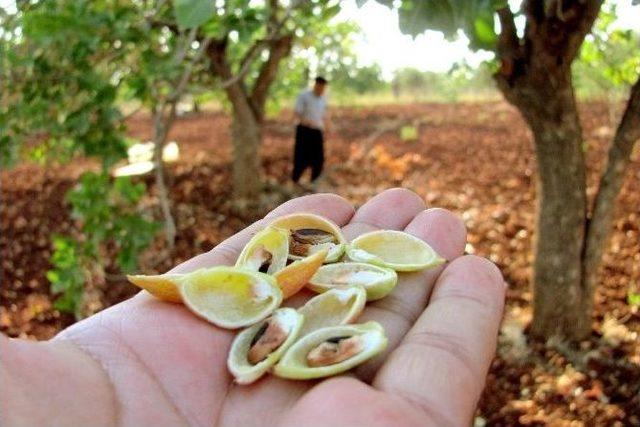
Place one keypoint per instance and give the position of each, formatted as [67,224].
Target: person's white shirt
[311,108]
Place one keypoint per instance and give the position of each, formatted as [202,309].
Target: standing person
[310,110]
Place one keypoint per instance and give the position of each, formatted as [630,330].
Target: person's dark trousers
[308,152]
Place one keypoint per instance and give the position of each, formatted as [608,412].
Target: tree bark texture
[161,129]
[248,112]
[600,224]
[535,76]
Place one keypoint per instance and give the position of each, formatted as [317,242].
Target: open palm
[168,367]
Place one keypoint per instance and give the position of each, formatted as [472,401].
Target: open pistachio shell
[296,275]
[267,251]
[377,281]
[311,233]
[295,362]
[332,308]
[393,249]
[230,297]
[163,286]
[245,372]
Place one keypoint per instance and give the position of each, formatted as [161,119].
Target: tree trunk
[246,135]
[600,225]
[546,101]
[161,128]
[535,76]
[560,301]
[248,112]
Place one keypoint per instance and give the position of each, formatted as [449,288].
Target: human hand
[164,366]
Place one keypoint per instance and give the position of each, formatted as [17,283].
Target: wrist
[52,383]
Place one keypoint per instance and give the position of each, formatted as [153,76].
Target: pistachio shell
[270,245]
[294,363]
[377,281]
[296,275]
[332,308]
[244,371]
[309,222]
[230,297]
[393,249]
[163,286]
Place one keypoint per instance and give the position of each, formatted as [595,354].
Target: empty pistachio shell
[267,251]
[332,308]
[377,281]
[296,275]
[311,233]
[163,286]
[393,249]
[230,297]
[332,350]
[269,339]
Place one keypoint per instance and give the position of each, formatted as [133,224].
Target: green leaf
[474,17]
[417,16]
[484,36]
[193,13]
[67,276]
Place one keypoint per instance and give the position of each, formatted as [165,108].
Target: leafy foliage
[474,17]
[609,60]
[66,62]
[107,213]
[359,79]
[61,80]
[193,13]
[327,50]
[318,43]
[68,275]
[459,81]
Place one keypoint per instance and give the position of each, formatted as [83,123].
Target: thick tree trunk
[560,301]
[246,138]
[535,76]
[248,112]
[547,102]
[600,225]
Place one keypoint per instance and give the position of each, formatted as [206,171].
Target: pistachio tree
[61,75]
[534,74]
[247,43]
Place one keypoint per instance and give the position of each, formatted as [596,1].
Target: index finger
[443,360]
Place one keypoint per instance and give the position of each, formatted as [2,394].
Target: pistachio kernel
[269,337]
[312,236]
[336,340]
[334,350]
[259,334]
[303,238]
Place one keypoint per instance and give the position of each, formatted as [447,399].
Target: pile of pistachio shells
[296,251]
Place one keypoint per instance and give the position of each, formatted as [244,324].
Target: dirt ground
[474,159]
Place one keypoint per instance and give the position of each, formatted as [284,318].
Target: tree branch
[599,229]
[273,27]
[558,30]
[172,26]
[508,42]
[279,50]
[585,14]
[235,88]
[163,122]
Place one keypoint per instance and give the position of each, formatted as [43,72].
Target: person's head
[319,85]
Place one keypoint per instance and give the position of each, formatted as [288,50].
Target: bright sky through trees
[382,42]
